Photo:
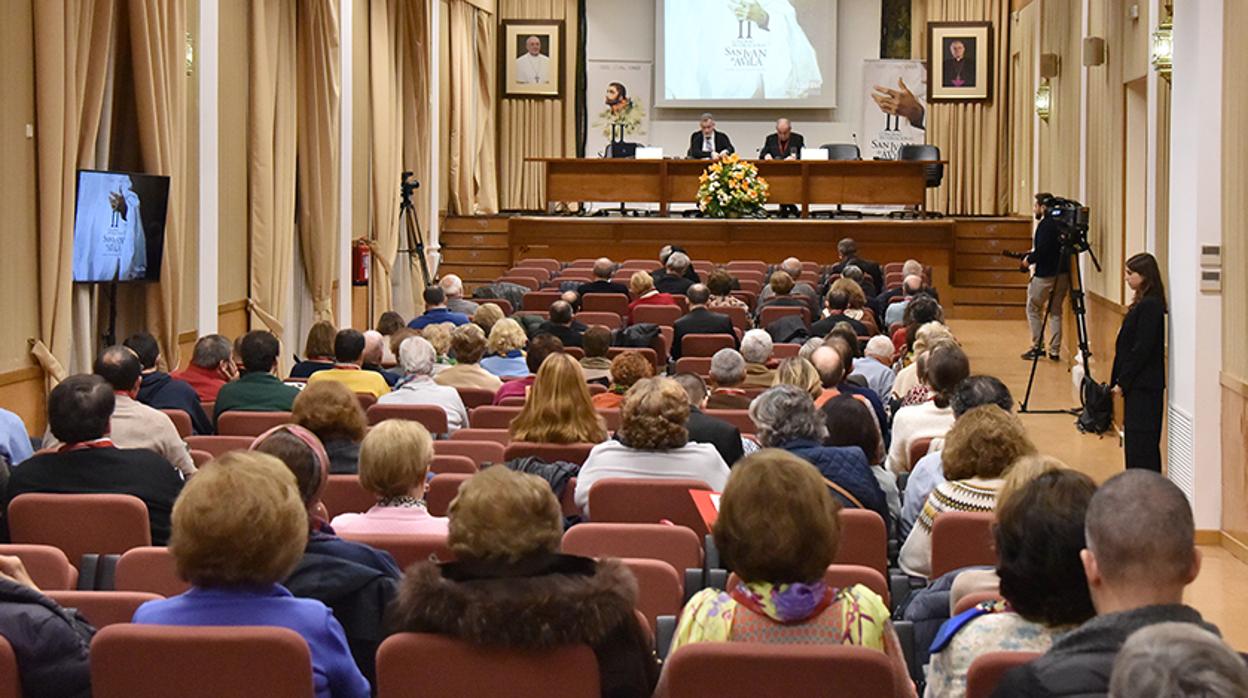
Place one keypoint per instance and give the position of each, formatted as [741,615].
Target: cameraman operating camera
[1050,281]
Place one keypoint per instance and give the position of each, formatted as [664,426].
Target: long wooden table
[804,182]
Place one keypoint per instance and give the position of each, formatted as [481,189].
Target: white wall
[624,30]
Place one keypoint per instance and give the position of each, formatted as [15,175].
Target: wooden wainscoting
[1235,465]
[22,392]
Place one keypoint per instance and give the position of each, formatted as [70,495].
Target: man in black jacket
[50,642]
[562,325]
[1141,553]
[783,144]
[706,429]
[602,280]
[700,320]
[1050,280]
[838,303]
[162,391]
[674,279]
[847,248]
[706,142]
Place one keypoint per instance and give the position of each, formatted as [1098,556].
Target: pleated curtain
[473,180]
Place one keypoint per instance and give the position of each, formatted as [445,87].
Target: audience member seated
[851,423]
[653,441]
[847,248]
[781,294]
[641,286]
[388,325]
[728,376]
[979,450]
[665,253]
[756,348]
[800,373]
[439,337]
[922,310]
[486,316]
[626,369]
[1177,659]
[1140,555]
[791,267]
[946,366]
[394,463]
[540,347]
[453,289]
[838,306]
[914,289]
[908,388]
[87,461]
[558,409]
[603,269]
[373,355]
[845,342]
[417,386]
[162,391]
[787,419]
[866,285]
[911,267]
[436,311]
[929,470]
[876,366]
[258,389]
[348,370]
[673,279]
[782,598]
[332,412]
[239,530]
[1038,538]
[720,283]
[133,425]
[212,366]
[700,320]
[597,344]
[858,307]
[507,340]
[468,346]
[705,429]
[15,444]
[50,643]
[831,367]
[510,587]
[573,299]
[562,325]
[318,350]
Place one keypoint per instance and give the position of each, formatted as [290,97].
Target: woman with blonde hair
[558,409]
[908,387]
[801,373]
[505,347]
[318,350]
[641,286]
[439,335]
[331,411]
[394,463]
[487,315]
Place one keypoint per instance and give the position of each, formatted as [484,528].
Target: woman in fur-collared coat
[509,586]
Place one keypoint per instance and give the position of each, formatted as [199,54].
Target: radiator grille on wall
[1182,466]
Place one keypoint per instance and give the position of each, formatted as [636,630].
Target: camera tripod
[415,239]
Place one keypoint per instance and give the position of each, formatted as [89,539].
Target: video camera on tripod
[1073,217]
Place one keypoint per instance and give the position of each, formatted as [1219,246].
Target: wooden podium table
[804,182]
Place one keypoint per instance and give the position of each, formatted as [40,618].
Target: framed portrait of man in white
[531,58]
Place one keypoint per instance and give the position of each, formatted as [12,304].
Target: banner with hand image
[894,112]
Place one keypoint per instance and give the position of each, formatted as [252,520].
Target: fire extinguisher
[361,260]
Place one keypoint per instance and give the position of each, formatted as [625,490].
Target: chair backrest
[539,300]
[549,264]
[530,282]
[772,313]
[404,670]
[10,680]
[660,588]
[749,274]
[989,668]
[103,608]
[481,452]
[972,600]
[345,495]
[918,449]
[512,401]
[700,365]
[737,418]
[200,458]
[48,566]
[934,173]
[446,463]
[961,539]
[785,350]
[442,489]
[605,302]
[841,577]
[612,417]
[151,569]
[502,303]
[492,416]
[705,344]
[610,320]
[217,445]
[366,400]
[80,524]
[575,352]
[146,660]
[647,500]
[181,421]
[864,540]
[740,316]
[658,314]
[676,545]
[246,423]
[842,151]
[498,436]
[431,416]
[540,273]
[475,397]
[571,453]
[732,669]
[408,548]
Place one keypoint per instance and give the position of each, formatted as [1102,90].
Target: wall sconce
[190,55]
[1163,49]
[1044,100]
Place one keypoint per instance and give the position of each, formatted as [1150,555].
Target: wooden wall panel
[1235,459]
[1234,282]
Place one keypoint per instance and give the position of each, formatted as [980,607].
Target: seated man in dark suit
[706,429]
[706,142]
[783,144]
[848,250]
[673,279]
[700,320]
[162,391]
[866,283]
[79,410]
[838,303]
[602,280]
[562,325]
[728,377]
[665,253]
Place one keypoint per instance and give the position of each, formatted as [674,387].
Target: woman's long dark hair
[1145,265]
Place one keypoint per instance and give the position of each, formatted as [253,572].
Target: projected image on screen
[119,226]
[740,52]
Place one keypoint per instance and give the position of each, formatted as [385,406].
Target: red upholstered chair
[512,401]
[103,608]
[753,265]
[475,397]
[705,344]
[48,566]
[502,303]
[682,301]
[539,300]
[407,548]
[571,453]
[785,350]
[748,294]
[452,464]
[366,400]
[481,452]
[740,316]
[609,320]
[200,458]
[647,500]
[700,365]
[676,545]
[133,661]
[80,524]
[217,445]
[345,495]
[748,275]
[181,421]
[989,668]
[432,416]
[960,539]
[611,417]
[575,352]
[918,449]
[772,313]
[660,588]
[442,489]
[970,601]
[596,388]
[547,263]
[657,314]
[150,569]
[539,273]
[864,540]
[10,681]
[605,302]
[738,669]
[244,423]
[492,416]
[841,576]
[529,282]
[737,418]
[404,670]
[499,436]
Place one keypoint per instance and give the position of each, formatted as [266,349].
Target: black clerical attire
[774,149]
[697,145]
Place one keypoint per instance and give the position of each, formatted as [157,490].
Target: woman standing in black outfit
[1139,373]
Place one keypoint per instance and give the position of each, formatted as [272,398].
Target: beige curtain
[537,127]
[72,44]
[385,98]
[271,146]
[318,138]
[974,137]
[473,188]
[417,146]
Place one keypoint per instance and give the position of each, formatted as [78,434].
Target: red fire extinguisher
[361,260]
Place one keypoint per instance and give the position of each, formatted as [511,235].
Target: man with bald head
[1140,555]
[700,320]
[793,267]
[562,325]
[373,341]
[603,268]
[783,144]
[453,288]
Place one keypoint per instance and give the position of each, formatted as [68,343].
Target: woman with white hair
[1177,659]
[756,348]
[417,387]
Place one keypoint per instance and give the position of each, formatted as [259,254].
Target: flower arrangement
[731,188]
